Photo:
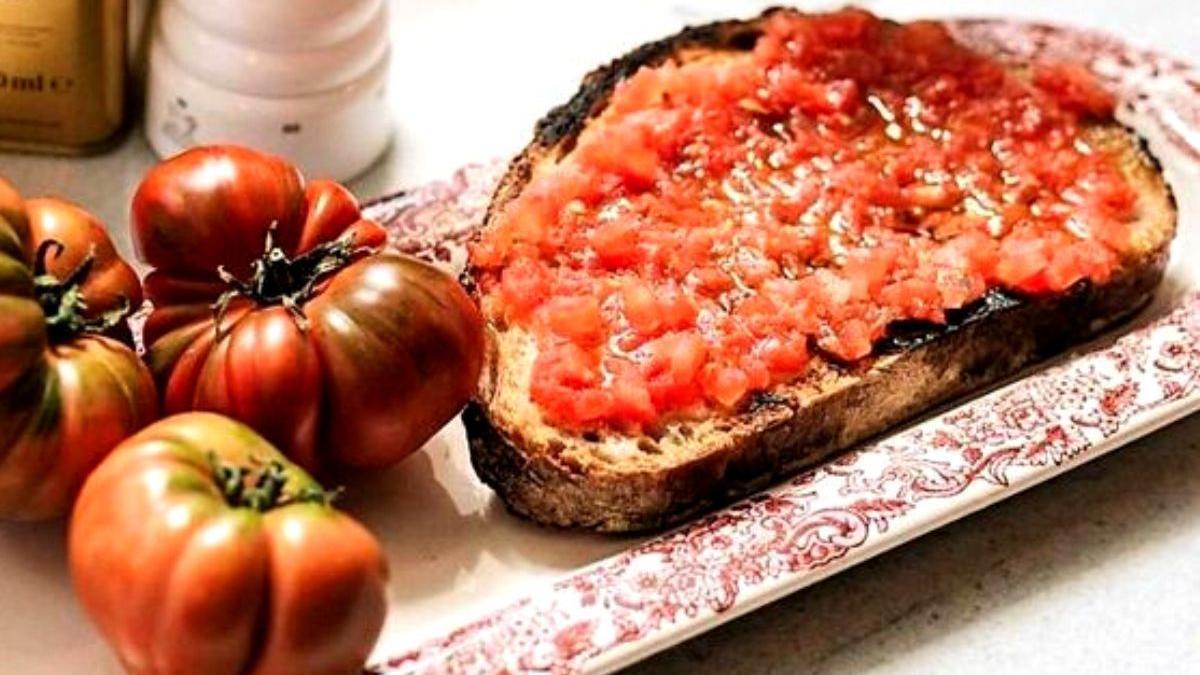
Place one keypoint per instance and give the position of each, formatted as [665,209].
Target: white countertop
[1097,571]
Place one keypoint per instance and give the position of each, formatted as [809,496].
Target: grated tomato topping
[724,219]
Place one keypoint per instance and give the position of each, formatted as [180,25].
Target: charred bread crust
[558,129]
[796,426]
[780,438]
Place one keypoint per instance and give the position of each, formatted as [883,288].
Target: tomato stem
[279,279]
[262,488]
[62,300]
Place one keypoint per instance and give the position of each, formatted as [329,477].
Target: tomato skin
[212,206]
[88,396]
[111,281]
[64,402]
[379,371]
[23,336]
[402,346]
[392,347]
[240,374]
[181,581]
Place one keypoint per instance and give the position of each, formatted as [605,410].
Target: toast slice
[617,482]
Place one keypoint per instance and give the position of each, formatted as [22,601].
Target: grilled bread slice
[616,482]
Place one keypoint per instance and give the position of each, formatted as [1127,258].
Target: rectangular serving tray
[495,594]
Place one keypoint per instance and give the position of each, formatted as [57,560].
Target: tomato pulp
[724,218]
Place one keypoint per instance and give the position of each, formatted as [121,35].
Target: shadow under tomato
[939,596]
[427,538]
[39,549]
[42,625]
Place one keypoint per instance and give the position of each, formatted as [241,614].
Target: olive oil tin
[62,73]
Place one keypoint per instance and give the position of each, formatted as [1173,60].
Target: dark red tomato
[197,548]
[337,353]
[69,389]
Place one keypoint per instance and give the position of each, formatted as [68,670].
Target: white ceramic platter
[475,590]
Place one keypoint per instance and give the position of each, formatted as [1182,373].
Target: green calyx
[279,279]
[62,300]
[263,488]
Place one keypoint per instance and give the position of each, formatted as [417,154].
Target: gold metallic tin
[62,73]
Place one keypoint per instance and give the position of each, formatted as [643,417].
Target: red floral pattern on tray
[435,222]
[869,499]
[994,443]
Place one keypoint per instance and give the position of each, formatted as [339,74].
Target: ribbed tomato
[198,548]
[70,389]
[338,354]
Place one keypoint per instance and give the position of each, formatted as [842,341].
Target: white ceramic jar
[305,79]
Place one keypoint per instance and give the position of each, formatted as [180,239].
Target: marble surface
[1095,571]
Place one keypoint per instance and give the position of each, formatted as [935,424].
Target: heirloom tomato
[197,547]
[71,388]
[273,304]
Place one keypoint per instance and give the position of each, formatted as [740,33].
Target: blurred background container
[62,73]
[306,79]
